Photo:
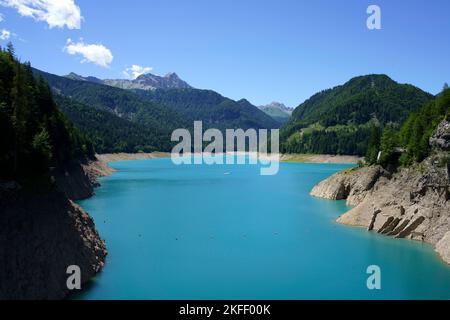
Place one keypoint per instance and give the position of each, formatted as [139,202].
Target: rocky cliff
[44,232]
[411,203]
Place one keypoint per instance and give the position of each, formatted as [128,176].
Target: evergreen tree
[373,147]
[388,145]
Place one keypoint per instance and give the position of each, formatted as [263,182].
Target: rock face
[74,182]
[42,234]
[78,181]
[351,184]
[441,138]
[412,203]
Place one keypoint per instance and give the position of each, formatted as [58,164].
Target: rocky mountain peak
[145,81]
[279,105]
[150,81]
[172,75]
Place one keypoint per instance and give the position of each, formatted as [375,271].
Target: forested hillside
[210,107]
[341,120]
[119,120]
[35,134]
[149,124]
[411,142]
[110,133]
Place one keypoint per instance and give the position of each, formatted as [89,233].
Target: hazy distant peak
[277,111]
[277,105]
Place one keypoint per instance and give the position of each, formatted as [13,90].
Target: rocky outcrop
[43,233]
[351,184]
[412,203]
[441,138]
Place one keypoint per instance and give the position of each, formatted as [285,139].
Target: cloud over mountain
[95,53]
[135,71]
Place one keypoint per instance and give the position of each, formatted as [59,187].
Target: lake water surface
[225,232]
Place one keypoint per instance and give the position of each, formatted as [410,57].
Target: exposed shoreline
[320,158]
[409,204]
[111,157]
[294,158]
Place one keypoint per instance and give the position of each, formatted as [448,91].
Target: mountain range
[148,111]
[145,81]
[339,120]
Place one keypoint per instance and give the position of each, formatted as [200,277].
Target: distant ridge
[146,81]
[74,76]
[278,111]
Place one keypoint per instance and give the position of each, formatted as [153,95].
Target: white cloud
[95,53]
[57,13]
[135,71]
[5,34]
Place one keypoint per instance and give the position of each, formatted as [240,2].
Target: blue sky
[262,50]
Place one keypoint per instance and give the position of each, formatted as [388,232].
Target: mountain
[417,137]
[158,121]
[146,81]
[150,81]
[277,111]
[145,119]
[210,107]
[340,120]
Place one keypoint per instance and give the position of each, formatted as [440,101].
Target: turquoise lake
[226,232]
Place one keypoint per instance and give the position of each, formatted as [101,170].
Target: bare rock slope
[412,203]
[44,232]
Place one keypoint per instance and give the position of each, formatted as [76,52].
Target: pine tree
[388,145]
[374,145]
